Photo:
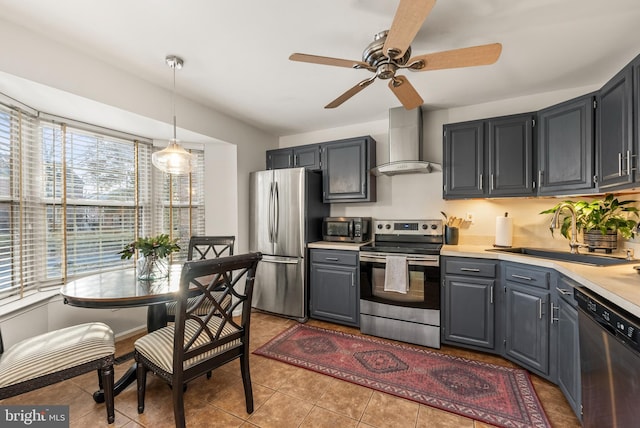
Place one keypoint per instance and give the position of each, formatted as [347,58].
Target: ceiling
[236,52]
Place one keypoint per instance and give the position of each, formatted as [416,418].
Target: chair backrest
[197,335]
[210,247]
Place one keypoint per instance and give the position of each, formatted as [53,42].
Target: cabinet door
[566,147]
[613,130]
[346,168]
[527,326]
[510,141]
[278,159]
[334,293]
[463,160]
[568,357]
[307,157]
[469,311]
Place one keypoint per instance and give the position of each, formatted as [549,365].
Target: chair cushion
[157,346]
[204,308]
[54,351]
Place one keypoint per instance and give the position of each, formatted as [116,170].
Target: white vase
[152,267]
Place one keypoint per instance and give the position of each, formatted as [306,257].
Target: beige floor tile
[281,411]
[345,398]
[323,418]
[305,384]
[387,411]
[428,417]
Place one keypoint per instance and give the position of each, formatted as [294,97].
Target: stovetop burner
[406,236]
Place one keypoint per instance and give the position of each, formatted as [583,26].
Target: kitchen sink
[565,256]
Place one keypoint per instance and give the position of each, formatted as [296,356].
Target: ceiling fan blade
[325,60]
[405,92]
[464,57]
[351,92]
[408,19]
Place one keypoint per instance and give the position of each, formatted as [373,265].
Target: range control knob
[424,226]
[379,226]
[387,226]
[434,226]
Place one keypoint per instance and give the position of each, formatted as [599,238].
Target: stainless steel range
[400,281]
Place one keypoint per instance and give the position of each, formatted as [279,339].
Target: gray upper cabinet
[295,157]
[463,156]
[566,147]
[489,158]
[346,166]
[510,141]
[614,121]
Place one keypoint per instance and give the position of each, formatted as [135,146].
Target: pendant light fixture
[173,159]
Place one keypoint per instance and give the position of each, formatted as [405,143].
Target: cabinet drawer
[472,267]
[336,257]
[528,276]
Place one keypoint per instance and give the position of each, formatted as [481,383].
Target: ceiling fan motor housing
[374,55]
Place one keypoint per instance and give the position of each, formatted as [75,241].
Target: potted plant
[154,250]
[600,221]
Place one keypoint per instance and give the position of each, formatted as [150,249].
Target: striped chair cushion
[55,351]
[204,308]
[157,346]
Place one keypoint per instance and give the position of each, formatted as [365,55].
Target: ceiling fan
[390,51]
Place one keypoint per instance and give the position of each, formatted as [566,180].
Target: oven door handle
[411,260]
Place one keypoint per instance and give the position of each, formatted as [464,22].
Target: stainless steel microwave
[346,229]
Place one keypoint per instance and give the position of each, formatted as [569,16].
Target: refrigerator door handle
[279,260]
[270,212]
[276,213]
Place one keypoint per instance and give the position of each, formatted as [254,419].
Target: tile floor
[284,396]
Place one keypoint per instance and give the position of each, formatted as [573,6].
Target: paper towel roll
[504,231]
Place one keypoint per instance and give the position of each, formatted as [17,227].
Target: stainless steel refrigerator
[286,213]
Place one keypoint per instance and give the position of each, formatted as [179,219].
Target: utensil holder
[451,235]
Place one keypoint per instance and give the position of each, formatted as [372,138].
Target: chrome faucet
[555,224]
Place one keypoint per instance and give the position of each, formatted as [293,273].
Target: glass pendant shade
[173,159]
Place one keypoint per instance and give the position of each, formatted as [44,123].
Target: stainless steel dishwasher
[610,362]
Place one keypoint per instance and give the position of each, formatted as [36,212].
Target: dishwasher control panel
[610,316]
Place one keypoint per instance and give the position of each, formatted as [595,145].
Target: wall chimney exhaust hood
[405,144]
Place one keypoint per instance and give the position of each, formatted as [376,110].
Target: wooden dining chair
[196,344]
[203,248]
[59,355]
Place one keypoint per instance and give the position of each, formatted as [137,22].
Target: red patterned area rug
[497,395]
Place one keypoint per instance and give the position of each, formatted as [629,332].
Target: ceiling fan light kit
[173,159]
[390,51]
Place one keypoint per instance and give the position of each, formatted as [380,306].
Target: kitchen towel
[396,275]
[504,231]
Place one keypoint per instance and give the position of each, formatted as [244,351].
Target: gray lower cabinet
[567,344]
[333,286]
[468,303]
[527,320]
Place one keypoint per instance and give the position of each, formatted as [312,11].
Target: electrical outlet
[469,217]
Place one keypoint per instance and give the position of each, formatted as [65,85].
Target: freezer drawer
[280,286]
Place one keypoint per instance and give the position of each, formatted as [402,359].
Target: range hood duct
[405,144]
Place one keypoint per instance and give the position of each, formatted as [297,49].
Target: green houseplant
[599,218]
[154,251]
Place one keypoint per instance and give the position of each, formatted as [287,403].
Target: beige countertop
[619,284]
[329,245]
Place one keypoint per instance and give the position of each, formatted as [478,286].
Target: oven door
[424,281]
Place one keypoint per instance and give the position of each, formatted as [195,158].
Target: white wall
[58,79]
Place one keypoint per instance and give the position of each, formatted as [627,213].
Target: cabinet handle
[332,259]
[554,308]
[492,183]
[470,269]
[289,159]
[353,279]
[491,294]
[480,180]
[563,291]
[540,178]
[619,164]
[540,302]
[295,160]
[526,278]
